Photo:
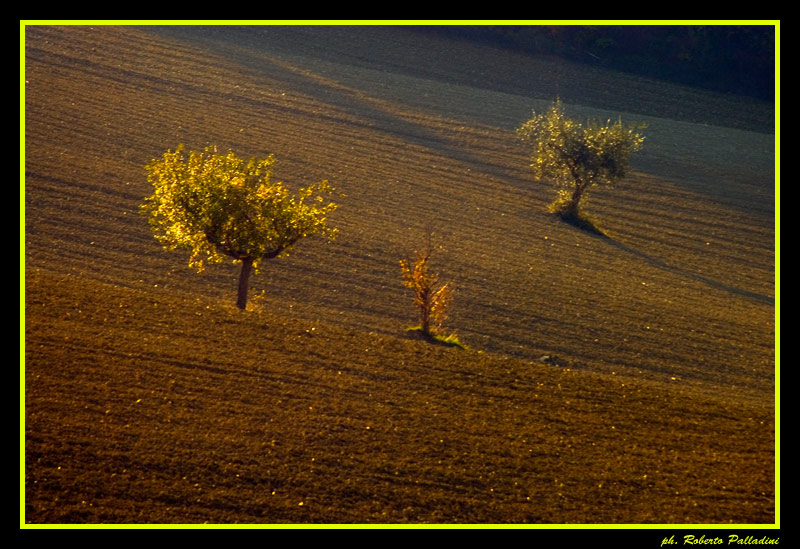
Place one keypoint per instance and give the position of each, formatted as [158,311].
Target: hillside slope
[678,299]
[144,407]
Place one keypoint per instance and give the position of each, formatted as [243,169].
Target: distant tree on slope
[431,299]
[221,207]
[576,157]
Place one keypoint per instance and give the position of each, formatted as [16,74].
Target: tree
[432,302]
[221,207]
[576,157]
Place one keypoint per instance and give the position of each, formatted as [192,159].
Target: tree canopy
[576,156]
[221,207]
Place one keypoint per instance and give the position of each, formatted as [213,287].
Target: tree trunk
[571,208]
[576,197]
[425,324]
[244,281]
[423,295]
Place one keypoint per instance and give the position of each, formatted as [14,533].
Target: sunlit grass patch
[449,340]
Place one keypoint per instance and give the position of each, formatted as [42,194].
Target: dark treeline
[736,59]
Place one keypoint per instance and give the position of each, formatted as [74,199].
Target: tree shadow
[586,225]
[583,223]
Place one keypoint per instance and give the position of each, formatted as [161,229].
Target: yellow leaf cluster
[219,206]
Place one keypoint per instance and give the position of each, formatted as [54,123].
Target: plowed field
[147,397]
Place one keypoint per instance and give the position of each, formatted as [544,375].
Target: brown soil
[148,398]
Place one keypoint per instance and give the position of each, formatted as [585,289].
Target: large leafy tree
[576,156]
[221,207]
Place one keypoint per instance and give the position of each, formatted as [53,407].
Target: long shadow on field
[384,117]
[589,228]
[378,115]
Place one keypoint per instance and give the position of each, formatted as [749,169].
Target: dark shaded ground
[735,59]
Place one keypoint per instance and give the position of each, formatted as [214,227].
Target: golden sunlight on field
[626,377]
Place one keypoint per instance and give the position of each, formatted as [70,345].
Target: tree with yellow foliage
[576,157]
[431,299]
[221,207]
